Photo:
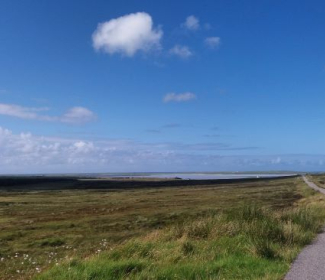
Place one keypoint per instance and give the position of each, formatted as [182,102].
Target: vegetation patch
[244,230]
[52,242]
[248,242]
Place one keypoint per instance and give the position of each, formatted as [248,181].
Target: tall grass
[248,242]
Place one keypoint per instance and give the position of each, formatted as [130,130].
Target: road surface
[310,263]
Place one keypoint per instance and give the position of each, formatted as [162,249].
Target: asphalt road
[310,263]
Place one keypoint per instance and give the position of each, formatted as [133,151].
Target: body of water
[200,176]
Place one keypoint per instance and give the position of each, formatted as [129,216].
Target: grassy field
[247,230]
[318,179]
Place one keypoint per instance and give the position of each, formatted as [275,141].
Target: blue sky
[107,86]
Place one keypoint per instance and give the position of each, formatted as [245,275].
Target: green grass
[249,242]
[249,230]
[318,179]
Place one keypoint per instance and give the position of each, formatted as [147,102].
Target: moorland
[72,228]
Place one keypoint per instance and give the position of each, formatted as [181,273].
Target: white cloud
[20,112]
[181,97]
[276,161]
[76,115]
[27,153]
[181,51]
[212,42]
[192,23]
[127,35]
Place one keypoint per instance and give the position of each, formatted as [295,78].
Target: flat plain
[157,229]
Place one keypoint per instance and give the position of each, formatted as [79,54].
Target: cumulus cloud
[27,150]
[192,23]
[27,153]
[76,115]
[181,51]
[212,42]
[127,35]
[180,97]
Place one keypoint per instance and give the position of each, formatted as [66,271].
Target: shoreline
[15,183]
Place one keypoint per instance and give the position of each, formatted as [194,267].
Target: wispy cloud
[25,152]
[154,131]
[22,112]
[163,128]
[191,23]
[75,115]
[29,153]
[207,146]
[222,91]
[127,35]
[171,125]
[180,97]
[212,42]
[212,135]
[181,51]
[40,100]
